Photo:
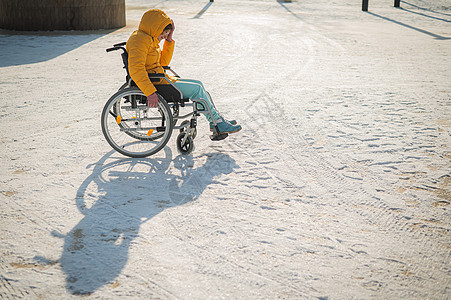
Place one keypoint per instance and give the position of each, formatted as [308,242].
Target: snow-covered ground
[338,186]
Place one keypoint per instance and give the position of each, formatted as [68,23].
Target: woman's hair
[169,27]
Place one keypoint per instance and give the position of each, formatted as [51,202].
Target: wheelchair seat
[169,93]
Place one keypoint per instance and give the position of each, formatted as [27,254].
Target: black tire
[130,130]
[123,86]
[187,147]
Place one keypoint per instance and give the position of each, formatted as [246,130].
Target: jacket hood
[153,22]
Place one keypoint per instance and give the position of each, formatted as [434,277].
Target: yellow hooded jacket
[144,53]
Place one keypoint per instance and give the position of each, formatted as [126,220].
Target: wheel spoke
[126,126]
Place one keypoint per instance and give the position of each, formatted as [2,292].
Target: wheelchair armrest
[173,72]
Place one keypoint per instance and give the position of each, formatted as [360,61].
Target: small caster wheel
[187,147]
[184,129]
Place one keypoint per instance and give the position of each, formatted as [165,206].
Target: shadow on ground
[20,48]
[436,36]
[116,199]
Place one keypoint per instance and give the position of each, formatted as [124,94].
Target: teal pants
[194,89]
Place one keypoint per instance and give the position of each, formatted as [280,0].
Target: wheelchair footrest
[219,136]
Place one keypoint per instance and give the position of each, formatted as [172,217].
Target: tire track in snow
[253,270]
[15,291]
[337,181]
[11,289]
[353,199]
[327,178]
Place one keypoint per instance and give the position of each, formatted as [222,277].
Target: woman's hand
[169,37]
[152,100]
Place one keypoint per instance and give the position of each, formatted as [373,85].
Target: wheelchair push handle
[117,47]
[153,76]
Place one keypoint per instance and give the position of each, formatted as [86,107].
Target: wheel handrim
[134,131]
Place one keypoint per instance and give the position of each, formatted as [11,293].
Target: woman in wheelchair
[145,56]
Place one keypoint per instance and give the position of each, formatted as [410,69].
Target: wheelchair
[136,130]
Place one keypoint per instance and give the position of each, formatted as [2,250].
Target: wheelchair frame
[170,97]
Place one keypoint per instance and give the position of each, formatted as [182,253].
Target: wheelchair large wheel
[134,129]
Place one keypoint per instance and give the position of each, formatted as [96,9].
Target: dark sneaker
[212,127]
[225,127]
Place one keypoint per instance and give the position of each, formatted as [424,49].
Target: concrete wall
[61,14]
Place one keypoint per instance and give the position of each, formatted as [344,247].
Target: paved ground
[337,187]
